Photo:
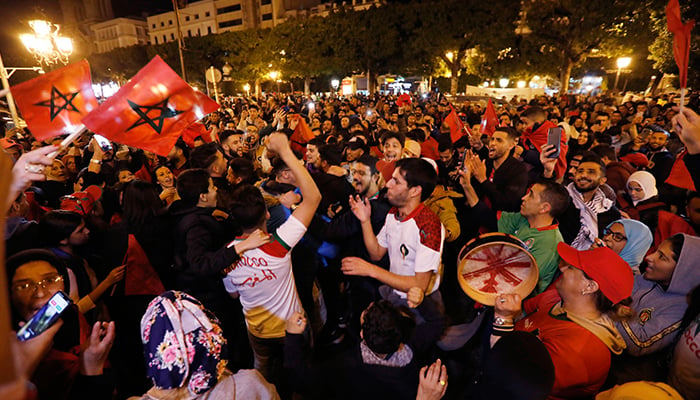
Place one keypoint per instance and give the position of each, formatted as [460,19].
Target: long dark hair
[141,205]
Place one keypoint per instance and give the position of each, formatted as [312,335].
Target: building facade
[119,32]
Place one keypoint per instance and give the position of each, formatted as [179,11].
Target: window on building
[264,2]
[162,23]
[189,33]
[207,14]
[233,8]
[187,17]
[154,26]
[267,17]
[156,38]
[172,36]
[196,16]
[199,32]
[209,30]
[164,39]
[233,22]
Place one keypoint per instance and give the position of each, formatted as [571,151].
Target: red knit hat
[612,274]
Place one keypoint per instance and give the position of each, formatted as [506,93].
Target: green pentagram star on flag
[157,122]
[53,105]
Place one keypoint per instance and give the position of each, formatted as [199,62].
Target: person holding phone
[74,366]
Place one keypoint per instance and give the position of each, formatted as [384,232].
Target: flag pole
[680,106]
[67,141]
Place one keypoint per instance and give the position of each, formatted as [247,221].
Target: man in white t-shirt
[412,234]
[263,277]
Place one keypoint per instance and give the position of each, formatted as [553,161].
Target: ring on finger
[34,168]
[501,300]
[442,382]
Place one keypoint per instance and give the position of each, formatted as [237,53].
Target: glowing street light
[274,75]
[503,82]
[521,84]
[246,88]
[45,43]
[335,84]
[622,62]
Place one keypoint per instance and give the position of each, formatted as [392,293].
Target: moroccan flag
[456,125]
[679,176]
[489,121]
[301,136]
[151,110]
[196,130]
[681,39]
[53,104]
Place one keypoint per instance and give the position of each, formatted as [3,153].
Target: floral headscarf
[183,343]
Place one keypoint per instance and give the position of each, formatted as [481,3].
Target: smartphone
[45,317]
[554,138]
[104,143]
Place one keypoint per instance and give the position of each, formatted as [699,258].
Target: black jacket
[200,251]
[508,187]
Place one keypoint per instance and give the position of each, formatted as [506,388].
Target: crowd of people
[308,247]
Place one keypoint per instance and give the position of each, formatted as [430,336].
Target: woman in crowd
[641,202]
[74,367]
[628,238]
[659,300]
[185,353]
[166,182]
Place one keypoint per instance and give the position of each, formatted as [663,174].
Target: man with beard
[660,159]
[502,179]
[591,209]
[232,144]
[210,158]
[412,235]
[177,158]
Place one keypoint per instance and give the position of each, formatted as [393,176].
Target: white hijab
[648,183]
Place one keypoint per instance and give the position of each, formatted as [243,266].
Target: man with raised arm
[263,276]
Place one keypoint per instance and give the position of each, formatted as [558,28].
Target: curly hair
[385,326]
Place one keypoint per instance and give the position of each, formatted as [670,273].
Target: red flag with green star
[151,111]
[681,39]
[53,104]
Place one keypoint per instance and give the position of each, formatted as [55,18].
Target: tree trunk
[307,86]
[564,77]
[454,84]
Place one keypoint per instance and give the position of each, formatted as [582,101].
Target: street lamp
[503,82]
[274,75]
[45,43]
[335,84]
[246,87]
[622,62]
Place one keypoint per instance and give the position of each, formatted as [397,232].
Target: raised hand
[360,207]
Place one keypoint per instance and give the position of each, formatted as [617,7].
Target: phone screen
[103,142]
[45,317]
[554,138]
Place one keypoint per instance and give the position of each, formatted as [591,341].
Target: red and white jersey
[263,278]
[414,244]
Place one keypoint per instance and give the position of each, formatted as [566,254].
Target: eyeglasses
[52,282]
[618,237]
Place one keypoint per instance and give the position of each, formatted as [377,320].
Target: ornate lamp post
[46,44]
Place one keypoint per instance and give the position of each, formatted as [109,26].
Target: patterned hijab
[183,343]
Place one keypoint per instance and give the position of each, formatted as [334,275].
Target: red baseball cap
[82,202]
[6,143]
[612,274]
